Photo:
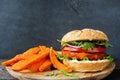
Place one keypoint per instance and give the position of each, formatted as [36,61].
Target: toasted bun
[87,66]
[84,34]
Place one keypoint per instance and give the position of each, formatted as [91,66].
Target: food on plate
[19,57]
[23,64]
[56,63]
[82,51]
[86,50]
[36,59]
[35,66]
[46,65]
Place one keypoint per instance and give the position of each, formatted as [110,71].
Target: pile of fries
[36,59]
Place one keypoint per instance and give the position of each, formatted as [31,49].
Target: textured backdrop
[29,23]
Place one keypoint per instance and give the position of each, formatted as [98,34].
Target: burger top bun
[84,34]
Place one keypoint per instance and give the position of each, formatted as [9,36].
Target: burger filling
[92,50]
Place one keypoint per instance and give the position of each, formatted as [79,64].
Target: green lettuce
[87,44]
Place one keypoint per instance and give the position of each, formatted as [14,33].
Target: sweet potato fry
[30,52]
[42,48]
[12,61]
[56,63]
[46,65]
[35,67]
[36,59]
[23,64]
[25,55]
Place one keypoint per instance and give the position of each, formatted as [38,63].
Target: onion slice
[73,46]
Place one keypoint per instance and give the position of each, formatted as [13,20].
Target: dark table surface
[115,75]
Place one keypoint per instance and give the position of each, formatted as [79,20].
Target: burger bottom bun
[87,66]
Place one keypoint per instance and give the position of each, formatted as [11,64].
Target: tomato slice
[93,50]
[96,50]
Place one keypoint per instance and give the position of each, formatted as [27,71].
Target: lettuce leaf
[108,58]
[61,57]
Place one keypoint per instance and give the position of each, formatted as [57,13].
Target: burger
[85,50]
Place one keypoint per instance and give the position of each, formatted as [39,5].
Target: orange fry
[35,67]
[42,48]
[56,63]
[26,54]
[45,66]
[23,64]
[12,61]
[30,52]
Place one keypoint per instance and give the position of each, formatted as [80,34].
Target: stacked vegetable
[92,50]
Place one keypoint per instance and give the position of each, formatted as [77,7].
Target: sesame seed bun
[84,34]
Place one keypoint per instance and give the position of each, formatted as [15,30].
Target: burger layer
[87,66]
[82,55]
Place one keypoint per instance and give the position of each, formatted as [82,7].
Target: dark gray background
[29,23]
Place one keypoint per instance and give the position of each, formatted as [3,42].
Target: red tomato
[93,50]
